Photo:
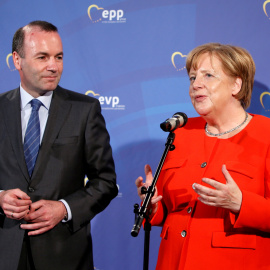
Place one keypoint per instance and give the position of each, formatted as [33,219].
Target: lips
[200,97]
[50,78]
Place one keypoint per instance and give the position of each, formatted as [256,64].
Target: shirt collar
[26,98]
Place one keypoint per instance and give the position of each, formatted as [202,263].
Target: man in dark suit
[46,210]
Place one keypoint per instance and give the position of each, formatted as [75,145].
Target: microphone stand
[142,213]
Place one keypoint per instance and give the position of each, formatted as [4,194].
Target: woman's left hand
[227,195]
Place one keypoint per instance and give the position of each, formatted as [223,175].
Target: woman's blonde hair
[236,62]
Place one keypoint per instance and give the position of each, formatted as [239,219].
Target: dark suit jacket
[75,144]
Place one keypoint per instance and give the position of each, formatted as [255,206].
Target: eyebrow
[45,53]
[203,71]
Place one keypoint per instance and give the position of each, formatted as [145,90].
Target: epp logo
[264,7]
[108,103]
[8,64]
[105,15]
[261,99]
[180,62]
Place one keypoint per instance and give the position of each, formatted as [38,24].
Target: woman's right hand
[148,181]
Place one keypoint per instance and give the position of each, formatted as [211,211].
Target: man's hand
[43,216]
[15,203]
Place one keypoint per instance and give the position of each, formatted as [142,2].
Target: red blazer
[196,236]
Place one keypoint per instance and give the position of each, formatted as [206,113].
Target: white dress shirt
[26,110]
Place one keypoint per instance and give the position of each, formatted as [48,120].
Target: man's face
[42,65]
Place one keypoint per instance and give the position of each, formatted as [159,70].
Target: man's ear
[16,60]
[236,86]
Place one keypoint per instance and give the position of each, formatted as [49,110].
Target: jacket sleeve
[101,187]
[158,218]
[255,208]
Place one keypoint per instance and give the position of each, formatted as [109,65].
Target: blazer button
[189,210]
[203,164]
[183,233]
[30,189]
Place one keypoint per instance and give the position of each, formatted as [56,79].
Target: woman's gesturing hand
[148,181]
[227,195]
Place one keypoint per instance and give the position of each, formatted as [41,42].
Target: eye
[208,75]
[192,78]
[59,57]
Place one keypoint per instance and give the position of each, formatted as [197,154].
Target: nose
[197,83]
[52,65]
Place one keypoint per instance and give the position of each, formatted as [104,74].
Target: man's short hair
[18,38]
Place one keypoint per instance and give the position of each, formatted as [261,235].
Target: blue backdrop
[131,56]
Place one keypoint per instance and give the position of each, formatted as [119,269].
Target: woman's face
[211,90]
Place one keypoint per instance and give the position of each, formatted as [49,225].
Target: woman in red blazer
[212,197]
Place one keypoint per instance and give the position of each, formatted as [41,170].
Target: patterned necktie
[32,137]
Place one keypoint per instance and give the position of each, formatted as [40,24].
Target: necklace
[222,133]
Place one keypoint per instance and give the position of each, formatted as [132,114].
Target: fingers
[39,231]
[156,199]
[36,228]
[20,215]
[15,203]
[14,197]
[202,189]
[37,210]
[138,182]
[228,195]
[148,174]
[44,216]
[226,174]
[16,210]
[206,194]
[148,177]
[36,205]
[20,194]
[148,180]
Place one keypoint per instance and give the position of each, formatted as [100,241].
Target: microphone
[178,120]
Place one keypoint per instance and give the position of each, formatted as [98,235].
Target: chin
[50,87]
[202,111]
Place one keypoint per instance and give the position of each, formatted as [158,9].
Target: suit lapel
[59,110]
[12,116]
